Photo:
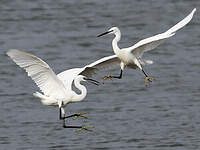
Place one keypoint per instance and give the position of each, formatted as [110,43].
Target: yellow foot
[85,128]
[147,80]
[80,115]
[106,77]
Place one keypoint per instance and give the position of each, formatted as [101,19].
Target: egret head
[86,79]
[113,30]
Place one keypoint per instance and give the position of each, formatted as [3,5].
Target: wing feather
[101,64]
[68,76]
[152,42]
[39,71]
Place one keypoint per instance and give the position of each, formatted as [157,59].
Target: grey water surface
[126,115]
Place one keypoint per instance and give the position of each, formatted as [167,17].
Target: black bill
[104,33]
[92,81]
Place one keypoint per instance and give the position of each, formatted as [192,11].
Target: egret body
[57,89]
[132,56]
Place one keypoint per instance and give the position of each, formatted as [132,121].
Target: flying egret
[132,56]
[57,90]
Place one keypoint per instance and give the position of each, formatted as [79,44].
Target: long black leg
[110,77]
[64,117]
[76,115]
[76,127]
[60,112]
[147,78]
[144,73]
[120,76]
[79,128]
[66,126]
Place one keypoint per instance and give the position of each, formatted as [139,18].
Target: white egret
[57,90]
[132,56]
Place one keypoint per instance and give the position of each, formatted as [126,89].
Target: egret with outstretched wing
[132,56]
[57,89]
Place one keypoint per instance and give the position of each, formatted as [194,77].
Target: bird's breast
[125,58]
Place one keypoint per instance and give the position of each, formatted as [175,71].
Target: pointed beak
[92,81]
[104,33]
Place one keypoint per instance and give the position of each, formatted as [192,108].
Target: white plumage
[57,89]
[132,56]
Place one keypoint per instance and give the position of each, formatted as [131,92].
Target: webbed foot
[76,116]
[85,128]
[147,80]
[106,77]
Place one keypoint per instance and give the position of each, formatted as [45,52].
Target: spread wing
[152,42]
[101,64]
[68,76]
[40,72]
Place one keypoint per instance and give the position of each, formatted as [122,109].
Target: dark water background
[126,115]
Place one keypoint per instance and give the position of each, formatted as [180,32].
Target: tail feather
[39,95]
[45,99]
[146,62]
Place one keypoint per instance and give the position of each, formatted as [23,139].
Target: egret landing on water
[132,56]
[57,89]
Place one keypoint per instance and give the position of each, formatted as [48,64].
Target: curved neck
[79,97]
[115,41]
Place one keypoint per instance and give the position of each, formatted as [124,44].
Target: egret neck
[79,97]
[115,41]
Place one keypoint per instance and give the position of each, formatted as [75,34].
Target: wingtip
[11,51]
[194,10]
[192,13]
